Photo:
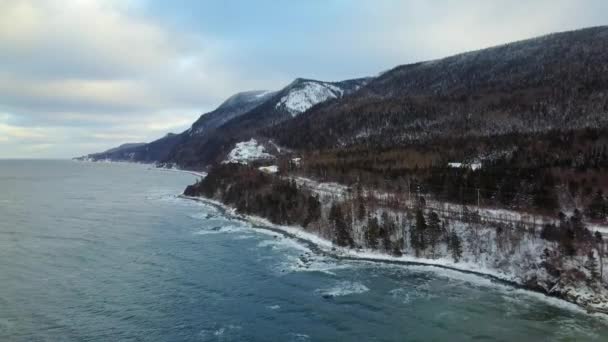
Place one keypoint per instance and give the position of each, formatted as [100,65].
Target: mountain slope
[284,105]
[233,107]
[127,146]
[551,82]
[160,149]
[140,152]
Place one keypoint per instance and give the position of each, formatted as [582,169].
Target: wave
[343,288]
[220,230]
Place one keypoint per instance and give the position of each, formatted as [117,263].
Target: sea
[111,252]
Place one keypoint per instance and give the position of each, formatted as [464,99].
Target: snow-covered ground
[472,166]
[269,169]
[247,151]
[324,190]
[330,190]
[301,99]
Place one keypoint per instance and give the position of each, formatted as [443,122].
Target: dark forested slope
[558,81]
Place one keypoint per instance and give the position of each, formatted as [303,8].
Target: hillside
[160,149]
[551,82]
[139,152]
[296,98]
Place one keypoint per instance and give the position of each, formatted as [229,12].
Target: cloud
[69,66]
[79,76]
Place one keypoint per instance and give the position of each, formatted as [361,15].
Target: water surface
[107,252]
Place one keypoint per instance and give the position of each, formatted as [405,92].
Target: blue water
[107,252]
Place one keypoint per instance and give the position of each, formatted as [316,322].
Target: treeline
[541,173]
[574,239]
[253,192]
[360,220]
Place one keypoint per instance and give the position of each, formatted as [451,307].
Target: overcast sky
[85,75]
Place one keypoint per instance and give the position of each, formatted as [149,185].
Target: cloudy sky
[85,75]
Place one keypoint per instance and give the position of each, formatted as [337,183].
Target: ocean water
[108,252]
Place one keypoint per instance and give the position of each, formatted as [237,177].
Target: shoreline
[320,246]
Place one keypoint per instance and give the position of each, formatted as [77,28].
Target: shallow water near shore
[103,252]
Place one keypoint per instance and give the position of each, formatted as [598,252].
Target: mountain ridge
[527,86]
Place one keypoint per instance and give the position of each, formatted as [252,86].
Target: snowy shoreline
[324,247]
[321,246]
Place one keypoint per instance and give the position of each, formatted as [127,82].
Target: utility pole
[478,199]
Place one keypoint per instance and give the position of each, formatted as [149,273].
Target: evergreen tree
[314,210]
[341,231]
[591,265]
[387,229]
[418,233]
[455,246]
[598,207]
[361,211]
[434,231]
[372,232]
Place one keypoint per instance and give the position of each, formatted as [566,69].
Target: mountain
[140,152]
[233,107]
[239,118]
[537,85]
[296,98]
[500,154]
[123,147]
[160,149]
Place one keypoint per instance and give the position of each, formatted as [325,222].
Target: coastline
[321,246]
[151,166]
[324,247]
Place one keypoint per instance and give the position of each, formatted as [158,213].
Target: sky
[82,76]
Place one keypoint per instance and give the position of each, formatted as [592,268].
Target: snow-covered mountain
[296,98]
[233,107]
[236,120]
[276,107]
[306,94]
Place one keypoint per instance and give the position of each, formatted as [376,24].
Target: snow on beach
[473,272]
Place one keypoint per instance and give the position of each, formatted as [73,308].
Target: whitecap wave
[297,337]
[218,333]
[343,288]
[410,294]
[202,216]
[220,230]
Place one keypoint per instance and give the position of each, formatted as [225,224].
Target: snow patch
[472,166]
[269,169]
[247,151]
[300,100]
[264,93]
